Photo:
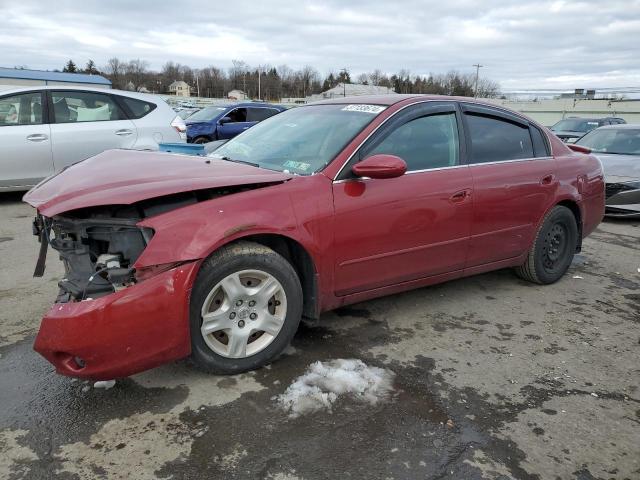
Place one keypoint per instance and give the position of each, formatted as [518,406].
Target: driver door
[389,231]
[238,123]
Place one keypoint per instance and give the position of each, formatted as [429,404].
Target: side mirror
[224,120]
[380,166]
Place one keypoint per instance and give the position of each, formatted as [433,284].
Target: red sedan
[337,202]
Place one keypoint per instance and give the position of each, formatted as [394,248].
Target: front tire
[553,248]
[201,140]
[245,308]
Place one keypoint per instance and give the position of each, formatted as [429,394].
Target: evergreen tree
[70,67]
[91,68]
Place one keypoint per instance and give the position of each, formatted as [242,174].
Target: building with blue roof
[16,77]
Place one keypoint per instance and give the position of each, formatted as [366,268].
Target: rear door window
[494,139]
[23,109]
[72,107]
[259,114]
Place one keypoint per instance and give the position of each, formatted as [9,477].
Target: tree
[91,68]
[135,73]
[70,67]
[343,76]
[363,79]
[114,71]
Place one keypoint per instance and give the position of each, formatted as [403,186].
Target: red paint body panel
[397,230]
[124,333]
[366,237]
[122,177]
[509,198]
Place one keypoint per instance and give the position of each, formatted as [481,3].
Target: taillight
[179,125]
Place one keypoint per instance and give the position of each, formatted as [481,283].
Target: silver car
[44,129]
[618,148]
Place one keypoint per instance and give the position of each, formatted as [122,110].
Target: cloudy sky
[524,44]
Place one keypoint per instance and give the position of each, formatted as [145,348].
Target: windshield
[574,125]
[302,140]
[207,114]
[623,141]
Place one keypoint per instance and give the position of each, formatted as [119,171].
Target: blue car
[226,121]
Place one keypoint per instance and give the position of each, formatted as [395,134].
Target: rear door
[389,231]
[86,123]
[25,140]
[514,181]
[237,125]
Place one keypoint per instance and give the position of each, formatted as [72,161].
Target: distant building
[180,89]
[350,90]
[16,77]
[237,95]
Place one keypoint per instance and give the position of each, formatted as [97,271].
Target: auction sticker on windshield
[375,109]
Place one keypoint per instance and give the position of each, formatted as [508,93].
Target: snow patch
[324,382]
[106,384]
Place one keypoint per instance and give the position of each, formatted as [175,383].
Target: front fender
[194,232]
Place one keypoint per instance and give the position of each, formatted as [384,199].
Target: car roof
[126,93]
[592,118]
[631,126]
[394,98]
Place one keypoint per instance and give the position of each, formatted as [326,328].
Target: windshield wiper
[228,159]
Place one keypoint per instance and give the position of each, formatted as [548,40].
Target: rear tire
[553,248]
[245,308]
[200,140]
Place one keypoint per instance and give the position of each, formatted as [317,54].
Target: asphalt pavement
[494,378]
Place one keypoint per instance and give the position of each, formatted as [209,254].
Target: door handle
[124,132]
[245,128]
[37,137]
[547,179]
[460,196]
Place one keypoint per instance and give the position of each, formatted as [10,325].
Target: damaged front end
[98,253]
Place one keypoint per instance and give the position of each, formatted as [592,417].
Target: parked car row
[45,129]
[328,204]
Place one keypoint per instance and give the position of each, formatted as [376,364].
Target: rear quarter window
[137,108]
[540,147]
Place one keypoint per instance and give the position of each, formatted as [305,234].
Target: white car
[46,128]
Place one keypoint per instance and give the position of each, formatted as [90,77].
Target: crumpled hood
[122,177]
[620,168]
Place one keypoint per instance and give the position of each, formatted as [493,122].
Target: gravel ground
[492,378]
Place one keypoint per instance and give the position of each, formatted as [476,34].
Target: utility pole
[478,67]
[344,81]
[259,95]
[198,84]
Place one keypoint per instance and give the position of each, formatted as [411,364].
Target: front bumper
[126,332]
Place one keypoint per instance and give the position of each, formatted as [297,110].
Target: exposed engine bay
[100,245]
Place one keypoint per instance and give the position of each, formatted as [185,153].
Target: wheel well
[575,209]
[302,262]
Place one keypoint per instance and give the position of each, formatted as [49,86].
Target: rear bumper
[126,332]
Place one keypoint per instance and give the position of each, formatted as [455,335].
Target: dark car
[321,206]
[618,148]
[225,122]
[572,128]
